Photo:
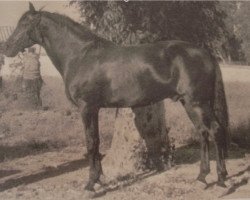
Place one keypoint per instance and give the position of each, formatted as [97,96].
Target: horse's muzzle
[7,50]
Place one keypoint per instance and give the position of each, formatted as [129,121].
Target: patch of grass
[36,145]
[191,153]
[241,134]
[187,154]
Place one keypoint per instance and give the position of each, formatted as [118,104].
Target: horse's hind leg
[220,145]
[200,118]
[205,121]
[90,122]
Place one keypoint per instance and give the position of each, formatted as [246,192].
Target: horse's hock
[129,153]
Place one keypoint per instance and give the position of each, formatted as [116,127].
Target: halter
[38,31]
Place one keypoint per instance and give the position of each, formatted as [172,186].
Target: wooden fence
[5,32]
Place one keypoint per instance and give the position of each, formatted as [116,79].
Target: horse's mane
[73,26]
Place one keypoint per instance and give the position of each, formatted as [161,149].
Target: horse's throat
[54,56]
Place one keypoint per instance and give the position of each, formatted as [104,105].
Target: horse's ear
[32,8]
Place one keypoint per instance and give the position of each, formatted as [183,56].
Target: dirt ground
[42,153]
[62,175]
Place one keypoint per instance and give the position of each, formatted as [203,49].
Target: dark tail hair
[220,106]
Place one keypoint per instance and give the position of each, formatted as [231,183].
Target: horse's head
[24,35]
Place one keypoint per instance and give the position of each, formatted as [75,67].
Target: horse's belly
[135,95]
[131,88]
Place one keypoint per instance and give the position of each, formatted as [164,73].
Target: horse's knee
[204,133]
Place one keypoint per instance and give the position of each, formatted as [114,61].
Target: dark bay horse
[99,74]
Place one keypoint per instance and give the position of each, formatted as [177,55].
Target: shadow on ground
[124,182]
[233,187]
[127,181]
[30,148]
[243,181]
[5,173]
[47,173]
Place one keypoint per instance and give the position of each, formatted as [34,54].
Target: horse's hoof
[202,179]
[103,180]
[90,187]
[100,190]
[224,175]
[88,194]
[221,184]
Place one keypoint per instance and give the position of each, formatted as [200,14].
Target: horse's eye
[24,23]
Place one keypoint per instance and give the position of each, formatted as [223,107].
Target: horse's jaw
[10,54]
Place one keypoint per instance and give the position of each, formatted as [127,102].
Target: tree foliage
[148,21]
[241,25]
[231,42]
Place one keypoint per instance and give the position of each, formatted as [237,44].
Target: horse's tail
[220,107]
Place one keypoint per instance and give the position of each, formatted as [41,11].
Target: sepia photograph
[124,100]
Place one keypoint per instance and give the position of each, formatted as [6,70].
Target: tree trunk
[140,142]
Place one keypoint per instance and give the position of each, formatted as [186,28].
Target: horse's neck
[61,45]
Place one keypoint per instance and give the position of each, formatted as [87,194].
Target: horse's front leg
[90,122]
